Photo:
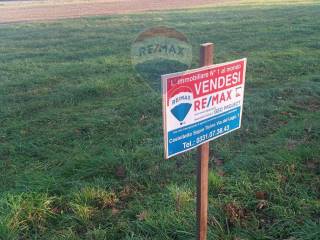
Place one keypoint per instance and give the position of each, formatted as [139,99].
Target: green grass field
[81,149]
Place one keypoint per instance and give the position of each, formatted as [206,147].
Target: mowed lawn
[81,149]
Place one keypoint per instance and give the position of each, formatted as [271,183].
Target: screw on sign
[200,105]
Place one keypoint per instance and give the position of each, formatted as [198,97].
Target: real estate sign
[202,104]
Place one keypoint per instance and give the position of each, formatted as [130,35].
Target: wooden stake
[206,58]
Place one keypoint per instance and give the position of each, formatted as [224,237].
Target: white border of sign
[164,101]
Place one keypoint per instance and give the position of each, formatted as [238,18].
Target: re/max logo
[176,100]
[169,49]
[212,100]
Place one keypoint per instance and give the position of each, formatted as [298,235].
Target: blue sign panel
[196,134]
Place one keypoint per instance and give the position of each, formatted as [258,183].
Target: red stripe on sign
[210,80]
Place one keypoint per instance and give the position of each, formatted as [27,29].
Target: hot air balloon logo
[180,103]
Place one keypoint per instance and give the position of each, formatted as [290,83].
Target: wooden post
[206,58]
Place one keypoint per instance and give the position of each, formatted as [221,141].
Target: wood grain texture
[206,58]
